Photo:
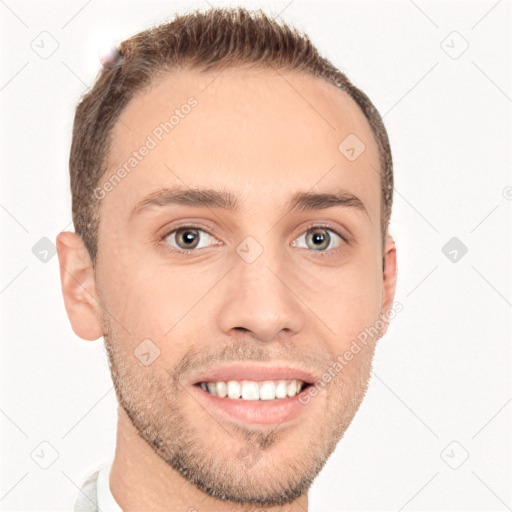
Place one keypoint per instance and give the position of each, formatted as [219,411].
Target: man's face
[262,286]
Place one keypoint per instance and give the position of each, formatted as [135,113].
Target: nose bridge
[259,296]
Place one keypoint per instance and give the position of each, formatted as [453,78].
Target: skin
[253,133]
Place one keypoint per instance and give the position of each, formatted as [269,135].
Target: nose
[259,300]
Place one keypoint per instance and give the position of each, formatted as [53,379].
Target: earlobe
[78,285]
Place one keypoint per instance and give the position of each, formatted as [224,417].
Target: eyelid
[326,225]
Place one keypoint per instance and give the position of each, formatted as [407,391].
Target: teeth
[252,390]
[267,391]
[233,389]
[222,389]
[281,389]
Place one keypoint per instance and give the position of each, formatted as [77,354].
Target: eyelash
[201,228]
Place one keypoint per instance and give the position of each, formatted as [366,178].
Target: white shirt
[106,501]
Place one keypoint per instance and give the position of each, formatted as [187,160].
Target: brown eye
[188,238]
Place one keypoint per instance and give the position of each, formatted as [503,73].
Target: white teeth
[253,390]
[281,389]
[267,391]
[250,391]
[233,389]
[222,389]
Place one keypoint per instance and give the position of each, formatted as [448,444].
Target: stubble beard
[157,412]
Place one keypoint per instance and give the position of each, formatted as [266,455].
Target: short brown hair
[209,40]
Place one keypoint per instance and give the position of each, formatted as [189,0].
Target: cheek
[132,294]
[352,303]
[156,301]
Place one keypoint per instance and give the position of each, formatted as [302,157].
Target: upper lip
[256,373]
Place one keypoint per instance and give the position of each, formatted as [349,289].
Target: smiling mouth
[250,390]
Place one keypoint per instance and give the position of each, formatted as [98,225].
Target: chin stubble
[160,422]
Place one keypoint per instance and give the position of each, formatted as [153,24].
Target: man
[231,199]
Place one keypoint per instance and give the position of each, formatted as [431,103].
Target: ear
[78,286]
[389,278]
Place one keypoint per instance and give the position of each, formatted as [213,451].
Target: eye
[319,239]
[188,238]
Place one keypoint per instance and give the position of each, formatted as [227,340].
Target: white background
[441,374]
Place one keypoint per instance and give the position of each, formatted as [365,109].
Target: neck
[141,480]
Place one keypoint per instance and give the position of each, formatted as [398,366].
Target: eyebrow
[224,199]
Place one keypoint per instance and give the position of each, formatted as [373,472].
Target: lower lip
[265,412]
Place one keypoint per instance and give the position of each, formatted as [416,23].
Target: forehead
[243,130]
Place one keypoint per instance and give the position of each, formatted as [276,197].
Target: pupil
[319,237]
[188,236]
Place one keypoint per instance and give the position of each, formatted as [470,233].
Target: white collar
[106,502]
